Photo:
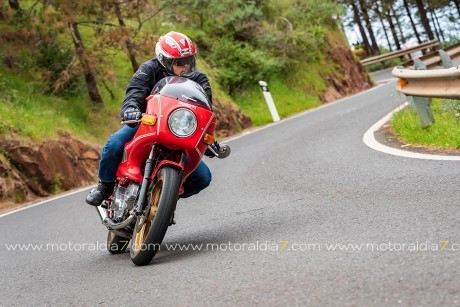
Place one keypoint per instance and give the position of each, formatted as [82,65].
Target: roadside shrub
[57,58]
[240,65]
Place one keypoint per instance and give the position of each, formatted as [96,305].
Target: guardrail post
[445,58]
[422,104]
[269,100]
[410,100]
[446,63]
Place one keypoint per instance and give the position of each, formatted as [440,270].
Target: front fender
[173,164]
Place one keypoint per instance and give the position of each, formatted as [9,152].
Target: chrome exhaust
[102,213]
[110,224]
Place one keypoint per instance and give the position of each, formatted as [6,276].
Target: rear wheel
[116,244]
[151,227]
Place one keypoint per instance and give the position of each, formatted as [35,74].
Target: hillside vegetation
[49,48]
[64,67]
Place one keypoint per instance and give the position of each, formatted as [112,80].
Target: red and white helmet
[175,48]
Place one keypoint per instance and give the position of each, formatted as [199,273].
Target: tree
[417,35]
[365,15]
[392,28]
[457,5]
[128,42]
[398,24]
[384,28]
[424,19]
[88,72]
[437,26]
[14,4]
[357,19]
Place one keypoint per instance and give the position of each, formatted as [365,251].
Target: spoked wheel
[116,244]
[151,227]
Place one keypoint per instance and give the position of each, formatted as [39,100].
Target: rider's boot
[101,192]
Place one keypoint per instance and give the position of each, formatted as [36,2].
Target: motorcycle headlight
[182,122]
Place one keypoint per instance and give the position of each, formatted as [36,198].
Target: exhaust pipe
[110,224]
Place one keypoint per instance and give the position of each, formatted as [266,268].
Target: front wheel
[151,227]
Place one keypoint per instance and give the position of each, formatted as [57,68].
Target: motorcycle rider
[175,56]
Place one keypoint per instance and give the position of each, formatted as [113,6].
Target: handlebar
[134,121]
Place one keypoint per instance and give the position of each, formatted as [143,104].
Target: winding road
[301,213]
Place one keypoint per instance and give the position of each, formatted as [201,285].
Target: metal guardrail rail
[420,85]
[399,53]
[433,60]
[439,83]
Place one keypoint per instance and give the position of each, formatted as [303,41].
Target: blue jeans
[112,153]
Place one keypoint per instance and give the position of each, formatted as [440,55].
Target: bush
[239,65]
[57,58]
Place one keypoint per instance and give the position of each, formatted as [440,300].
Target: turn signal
[402,83]
[208,139]
[149,120]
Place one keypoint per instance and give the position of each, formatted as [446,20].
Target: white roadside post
[269,100]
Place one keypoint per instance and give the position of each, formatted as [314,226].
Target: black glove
[132,114]
[215,146]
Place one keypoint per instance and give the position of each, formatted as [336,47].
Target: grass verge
[444,133]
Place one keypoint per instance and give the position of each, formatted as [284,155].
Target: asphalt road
[301,213]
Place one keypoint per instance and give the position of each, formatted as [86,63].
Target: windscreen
[183,89]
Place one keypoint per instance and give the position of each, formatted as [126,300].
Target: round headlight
[182,122]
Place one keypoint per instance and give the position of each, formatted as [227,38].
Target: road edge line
[45,201]
[371,142]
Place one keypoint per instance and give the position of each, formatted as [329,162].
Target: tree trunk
[398,24]
[424,19]
[357,20]
[91,84]
[14,4]
[375,47]
[436,33]
[393,30]
[436,22]
[128,43]
[406,6]
[379,14]
[457,6]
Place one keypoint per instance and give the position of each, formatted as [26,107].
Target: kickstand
[172,222]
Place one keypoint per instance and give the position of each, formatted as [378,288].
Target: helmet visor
[190,60]
[185,66]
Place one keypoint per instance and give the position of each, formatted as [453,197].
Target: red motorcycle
[173,134]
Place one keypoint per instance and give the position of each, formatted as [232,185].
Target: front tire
[151,227]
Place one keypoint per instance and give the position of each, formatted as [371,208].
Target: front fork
[149,168]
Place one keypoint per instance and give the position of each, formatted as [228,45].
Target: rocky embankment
[28,171]
[349,76]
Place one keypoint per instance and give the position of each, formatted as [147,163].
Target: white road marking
[370,141]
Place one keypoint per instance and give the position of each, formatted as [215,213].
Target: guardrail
[433,59]
[439,83]
[420,85]
[399,53]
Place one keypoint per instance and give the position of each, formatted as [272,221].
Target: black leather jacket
[146,77]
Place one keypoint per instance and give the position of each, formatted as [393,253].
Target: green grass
[444,133]
[32,115]
[287,100]
[297,92]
